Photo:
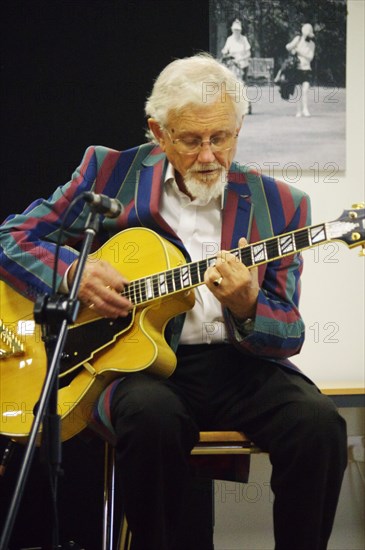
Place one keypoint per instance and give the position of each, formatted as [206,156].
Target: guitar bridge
[12,345]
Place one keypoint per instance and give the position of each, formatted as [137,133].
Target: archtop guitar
[98,350]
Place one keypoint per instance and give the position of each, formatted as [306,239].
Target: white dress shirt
[198,224]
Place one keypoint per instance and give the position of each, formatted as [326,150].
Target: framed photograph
[292,58]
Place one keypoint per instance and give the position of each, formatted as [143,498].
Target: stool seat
[224,442]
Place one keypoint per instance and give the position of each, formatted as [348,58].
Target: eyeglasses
[224,141]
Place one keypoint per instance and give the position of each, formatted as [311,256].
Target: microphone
[111,208]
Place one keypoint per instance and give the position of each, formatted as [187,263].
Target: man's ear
[157,132]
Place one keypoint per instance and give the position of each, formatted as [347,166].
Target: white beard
[211,188]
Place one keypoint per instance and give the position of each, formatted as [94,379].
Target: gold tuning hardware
[362,251]
[355,236]
[356,206]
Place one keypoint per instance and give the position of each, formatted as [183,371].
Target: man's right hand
[100,289]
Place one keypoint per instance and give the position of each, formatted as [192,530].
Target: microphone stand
[55,313]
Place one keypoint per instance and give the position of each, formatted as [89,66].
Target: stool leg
[109,489]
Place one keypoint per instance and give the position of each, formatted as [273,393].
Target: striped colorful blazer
[255,206]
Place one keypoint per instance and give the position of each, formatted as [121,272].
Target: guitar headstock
[350,227]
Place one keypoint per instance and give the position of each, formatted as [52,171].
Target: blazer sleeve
[28,240]
[278,329]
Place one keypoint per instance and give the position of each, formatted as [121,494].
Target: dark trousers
[216,387]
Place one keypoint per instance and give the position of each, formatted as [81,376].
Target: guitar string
[295,240]
[167,282]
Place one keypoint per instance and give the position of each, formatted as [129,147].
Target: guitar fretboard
[192,274]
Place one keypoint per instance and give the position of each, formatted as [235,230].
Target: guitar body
[98,350]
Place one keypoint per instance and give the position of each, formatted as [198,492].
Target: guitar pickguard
[83,341]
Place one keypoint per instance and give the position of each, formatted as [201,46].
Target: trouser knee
[317,425]
[145,410]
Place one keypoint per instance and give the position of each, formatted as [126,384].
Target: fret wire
[134,286]
[302,236]
[287,244]
[302,239]
[202,267]
[265,250]
[194,274]
[252,258]
[238,253]
[191,270]
[246,256]
[162,283]
[173,280]
[155,286]
[130,291]
[176,276]
[170,281]
[258,252]
[125,293]
[211,261]
[149,285]
[185,276]
[143,289]
[272,248]
[136,293]
[316,237]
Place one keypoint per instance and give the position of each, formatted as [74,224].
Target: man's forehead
[194,117]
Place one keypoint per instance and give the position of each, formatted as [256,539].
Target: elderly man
[233,347]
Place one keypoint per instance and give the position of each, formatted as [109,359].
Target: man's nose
[206,154]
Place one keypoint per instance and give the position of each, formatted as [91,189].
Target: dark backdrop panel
[77,72]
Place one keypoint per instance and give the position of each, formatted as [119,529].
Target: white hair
[197,80]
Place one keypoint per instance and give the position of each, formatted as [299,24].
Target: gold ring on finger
[218,281]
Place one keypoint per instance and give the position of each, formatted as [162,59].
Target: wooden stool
[212,444]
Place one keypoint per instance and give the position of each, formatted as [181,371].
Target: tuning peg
[362,251]
[358,205]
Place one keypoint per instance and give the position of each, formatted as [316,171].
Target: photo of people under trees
[292,58]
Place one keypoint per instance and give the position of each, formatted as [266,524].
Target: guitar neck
[191,275]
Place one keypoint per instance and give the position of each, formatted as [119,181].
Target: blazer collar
[238,210]
[154,156]
[237,207]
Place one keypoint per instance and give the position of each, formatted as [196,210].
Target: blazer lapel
[148,195]
[237,210]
